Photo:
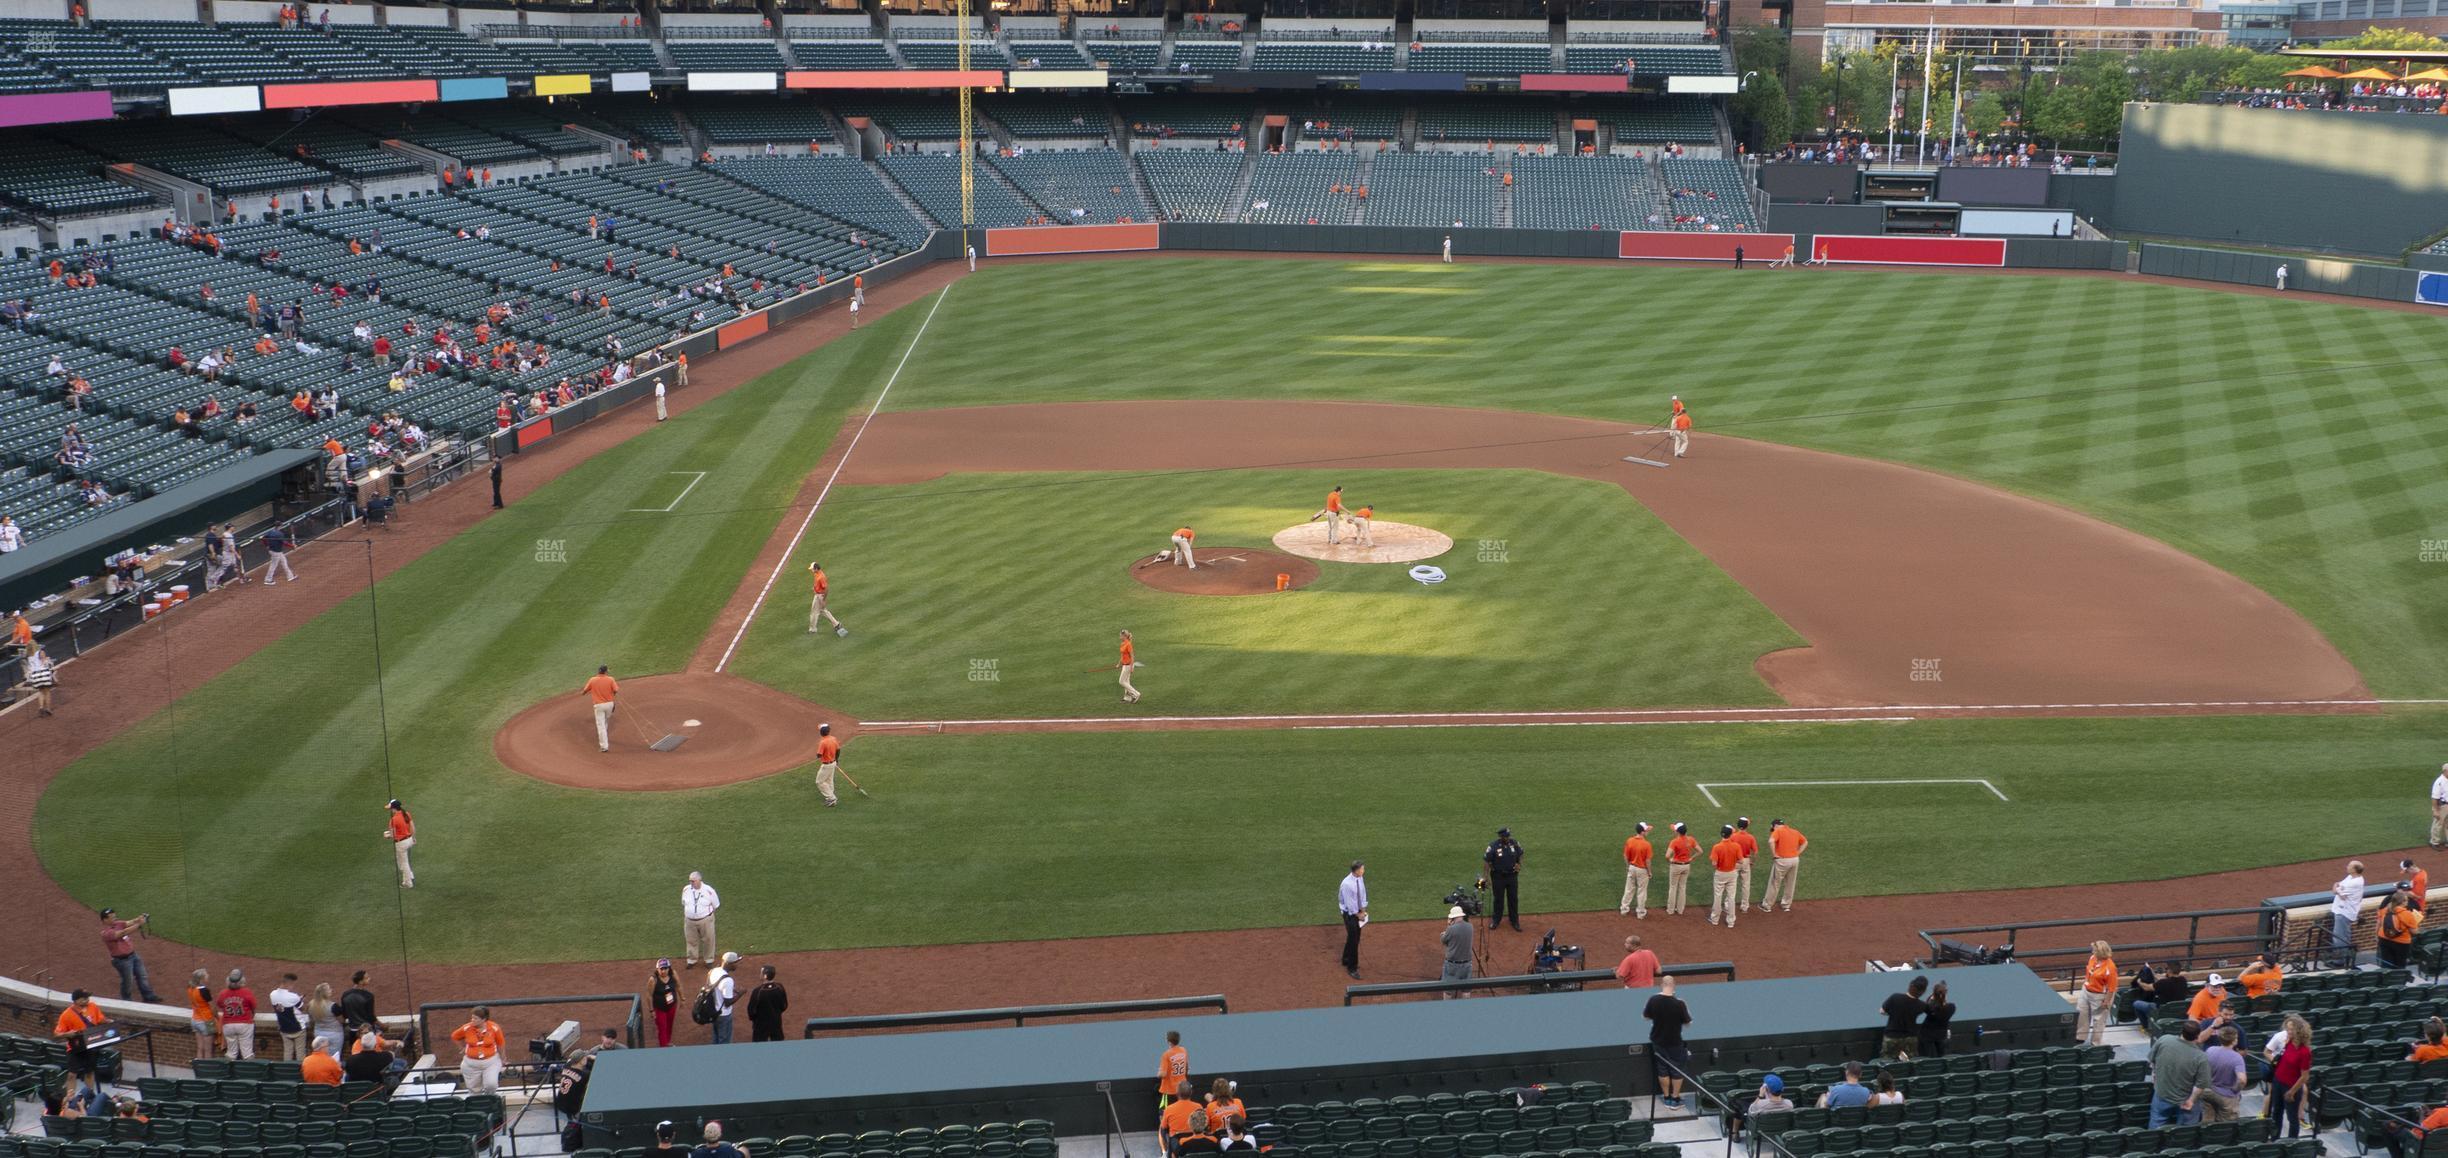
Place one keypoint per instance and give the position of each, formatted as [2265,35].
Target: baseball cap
[662,962]
[1504,832]
[1453,913]
[1773,1084]
[731,959]
[2217,982]
[664,1130]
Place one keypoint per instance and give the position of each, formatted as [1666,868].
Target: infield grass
[2288,440]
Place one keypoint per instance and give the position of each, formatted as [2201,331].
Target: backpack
[703,1012]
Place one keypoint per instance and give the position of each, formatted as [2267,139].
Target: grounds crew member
[828,762]
[1332,512]
[1681,428]
[1182,537]
[1503,860]
[1360,525]
[1726,855]
[1750,847]
[1130,695]
[818,613]
[1787,842]
[1636,873]
[603,689]
[401,831]
[1679,854]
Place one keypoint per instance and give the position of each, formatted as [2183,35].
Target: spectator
[237,1008]
[2222,1101]
[1456,941]
[480,1043]
[664,1132]
[2403,1139]
[1224,1103]
[1903,1012]
[1236,1135]
[1937,1016]
[2209,1007]
[82,1015]
[715,1147]
[357,1007]
[2398,921]
[372,1059]
[2260,977]
[698,900]
[1886,1094]
[320,1067]
[664,996]
[726,995]
[1199,1140]
[2095,1002]
[2418,883]
[2290,1056]
[766,1004]
[2152,990]
[1173,1123]
[1849,1092]
[123,955]
[2345,907]
[323,1015]
[202,1014]
[11,537]
[1639,967]
[2179,1075]
[289,1016]
[2434,1043]
[1669,1057]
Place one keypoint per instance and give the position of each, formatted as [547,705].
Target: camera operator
[1503,859]
[1457,941]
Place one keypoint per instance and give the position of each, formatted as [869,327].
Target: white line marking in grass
[827,489]
[1800,715]
[1712,797]
[1597,723]
[666,508]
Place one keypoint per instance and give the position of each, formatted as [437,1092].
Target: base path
[731,729]
[1913,587]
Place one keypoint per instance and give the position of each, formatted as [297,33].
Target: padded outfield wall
[2359,183]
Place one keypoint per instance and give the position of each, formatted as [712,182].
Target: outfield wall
[2346,182]
[2312,275]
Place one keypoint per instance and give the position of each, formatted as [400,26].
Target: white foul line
[1803,715]
[1712,797]
[665,509]
[827,489]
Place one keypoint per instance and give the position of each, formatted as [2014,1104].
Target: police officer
[1503,861]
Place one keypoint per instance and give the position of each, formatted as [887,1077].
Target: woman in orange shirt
[2398,920]
[2434,1044]
[2095,1007]
[200,1015]
[1130,695]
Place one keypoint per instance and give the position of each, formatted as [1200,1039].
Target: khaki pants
[480,1075]
[603,726]
[1678,881]
[399,852]
[2218,1107]
[2439,822]
[699,933]
[239,1036]
[1636,891]
[1129,693]
[1360,528]
[2092,1012]
[661,412]
[824,781]
[1334,526]
[1682,442]
[1182,555]
[293,1046]
[1721,897]
[1742,885]
[1783,873]
[818,613]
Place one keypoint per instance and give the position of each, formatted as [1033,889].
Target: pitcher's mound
[735,730]
[1225,571]
[1391,543]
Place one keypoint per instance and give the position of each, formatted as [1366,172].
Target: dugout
[901,1081]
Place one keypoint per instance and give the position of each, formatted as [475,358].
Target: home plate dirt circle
[1226,571]
[1390,543]
[733,730]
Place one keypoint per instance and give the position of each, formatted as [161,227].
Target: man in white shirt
[1352,900]
[661,412]
[2345,905]
[293,1040]
[698,902]
[973,259]
[2439,787]
[12,538]
[726,994]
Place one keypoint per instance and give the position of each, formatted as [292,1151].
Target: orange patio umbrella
[2427,74]
[2369,74]
[2317,72]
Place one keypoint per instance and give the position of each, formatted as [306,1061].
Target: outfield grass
[2288,440]
[2291,441]
[972,599]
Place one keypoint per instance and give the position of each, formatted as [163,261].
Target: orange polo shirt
[2257,982]
[1749,843]
[2101,977]
[21,632]
[1185,533]
[2407,921]
[602,688]
[1725,854]
[1682,849]
[2419,885]
[1334,500]
[1682,420]
[1637,852]
[828,749]
[320,1069]
[1126,653]
[1364,512]
[481,1041]
[2205,1005]
[401,827]
[818,577]
[1787,841]
[71,1020]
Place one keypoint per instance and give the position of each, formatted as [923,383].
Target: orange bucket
[151,610]
[178,594]
[1283,581]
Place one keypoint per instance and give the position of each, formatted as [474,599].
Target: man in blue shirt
[277,543]
[1849,1092]
[1352,899]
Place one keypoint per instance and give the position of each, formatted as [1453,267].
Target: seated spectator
[1849,1092]
[1236,1135]
[2209,1007]
[319,1067]
[1198,1140]
[1886,1094]
[372,1059]
[2260,977]
[2154,989]
[2403,1139]
[1770,1099]
[2434,1043]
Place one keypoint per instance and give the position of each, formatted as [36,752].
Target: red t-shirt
[1638,970]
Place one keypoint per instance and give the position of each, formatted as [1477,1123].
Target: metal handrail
[1725,1109]
[1576,977]
[1016,1014]
[633,1025]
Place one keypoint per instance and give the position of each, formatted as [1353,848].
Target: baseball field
[1982,581]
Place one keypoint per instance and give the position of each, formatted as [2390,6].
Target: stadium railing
[1016,1014]
[1573,979]
[633,1021]
[2066,962]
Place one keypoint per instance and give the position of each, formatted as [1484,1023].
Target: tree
[2389,40]
[1985,114]
[1763,117]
